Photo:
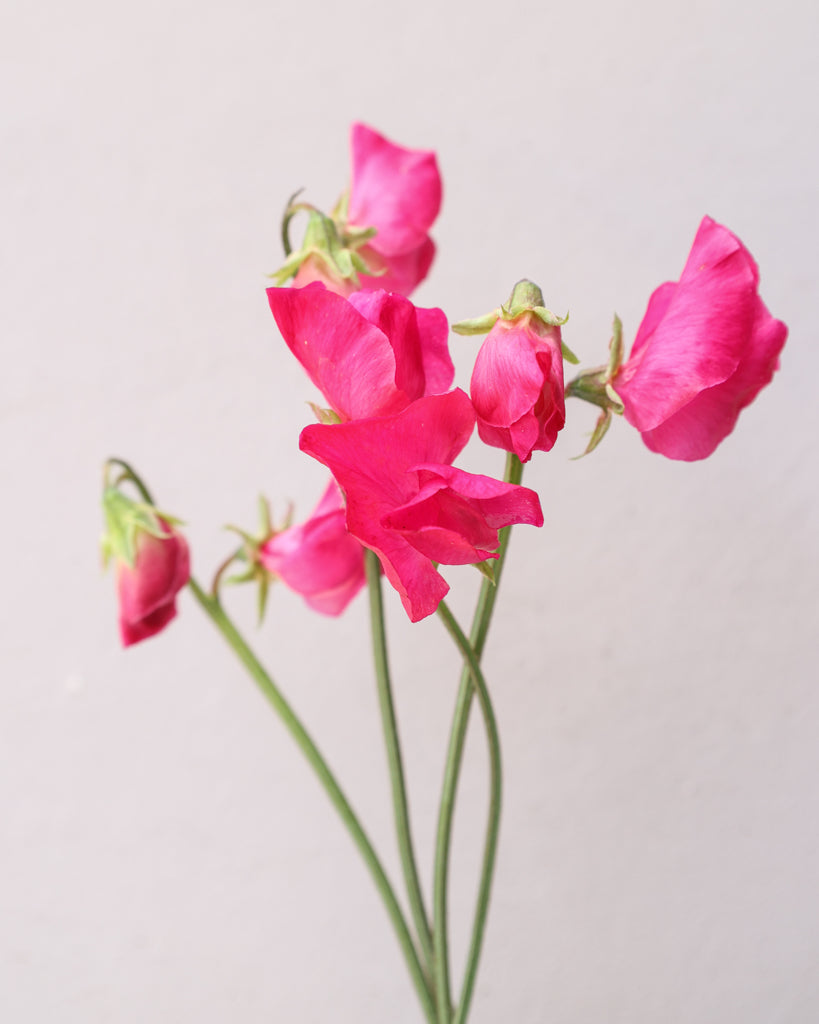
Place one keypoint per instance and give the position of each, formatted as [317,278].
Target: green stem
[460,720]
[491,844]
[214,609]
[391,740]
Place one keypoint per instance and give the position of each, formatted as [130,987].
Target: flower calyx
[526,300]
[126,519]
[249,555]
[595,386]
[329,251]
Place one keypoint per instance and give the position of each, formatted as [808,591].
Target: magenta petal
[697,428]
[396,317]
[433,329]
[348,358]
[371,460]
[700,337]
[395,190]
[408,504]
[400,272]
[147,590]
[705,348]
[318,559]
[132,631]
[657,305]
[500,503]
[507,377]
[517,386]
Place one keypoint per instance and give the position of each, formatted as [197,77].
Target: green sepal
[526,297]
[249,553]
[486,568]
[567,353]
[124,518]
[288,269]
[323,242]
[363,267]
[615,349]
[290,211]
[356,237]
[599,432]
[478,324]
[248,538]
[616,402]
[326,416]
[261,597]
[339,213]
[549,318]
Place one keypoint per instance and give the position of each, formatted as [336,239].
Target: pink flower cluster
[384,369]
[705,348]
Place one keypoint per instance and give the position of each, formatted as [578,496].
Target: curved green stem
[391,740]
[460,720]
[217,614]
[493,825]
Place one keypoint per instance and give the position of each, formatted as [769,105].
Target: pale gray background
[165,855]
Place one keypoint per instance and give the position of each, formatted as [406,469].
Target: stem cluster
[425,946]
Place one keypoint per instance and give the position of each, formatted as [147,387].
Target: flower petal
[349,359]
[396,190]
[697,340]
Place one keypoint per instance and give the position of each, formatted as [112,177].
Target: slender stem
[214,609]
[491,845]
[460,720]
[393,746]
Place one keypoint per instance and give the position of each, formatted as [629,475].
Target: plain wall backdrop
[165,854]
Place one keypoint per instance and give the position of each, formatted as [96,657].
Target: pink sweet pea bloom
[398,192]
[147,590]
[706,347]
[369,355]
[408,503]
[318,559]
[517,386]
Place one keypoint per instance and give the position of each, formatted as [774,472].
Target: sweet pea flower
[147,588]
[318,559]
[397,191]
[706,347]
[369,355]
[517,386]
[408,503]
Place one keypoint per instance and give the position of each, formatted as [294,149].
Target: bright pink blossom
[369,355]
[147,590]
[706,347]
[318,559]
[517,386]
[408,503]
[398,192]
